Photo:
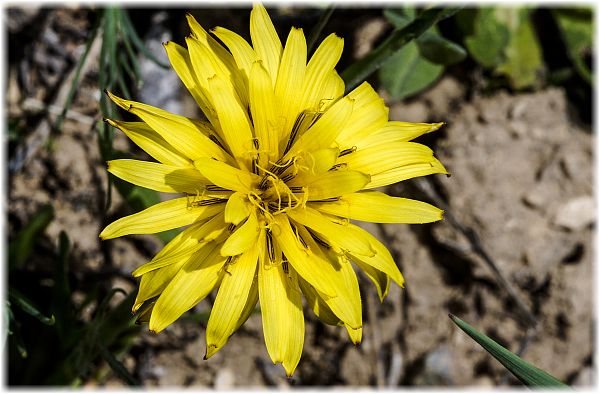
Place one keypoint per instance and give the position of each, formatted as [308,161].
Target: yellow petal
[369,115]
[243,238]
[319,161]
[242,52]
[377,207]
[325,130]
[290,81]
[355,334]
[339,273]
[234,121]
[208,58]
[381,260]
[185,244]
[231,300]
[282,316]
[336,183]
[180,60]
[310,266]
[320,65]
[180,132]
[265,40]
[157,176]
[193,282]
[379,278]
[333,89]
[236,209]
[318,305]
[163,216]
[262,106]
[226,176]
[347,305]
[151,142]
[154,282]
[406,172]
[337,235]
[384,157]
[399,132]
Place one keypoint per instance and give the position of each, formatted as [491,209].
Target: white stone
[576,214]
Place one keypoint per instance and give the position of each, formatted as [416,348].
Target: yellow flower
[270,182]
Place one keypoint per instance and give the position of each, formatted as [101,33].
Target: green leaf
[577,31]
[118,367]
[27,306]
[524,371]
[20,248]
[432,46]
[490,38]
[407,72]
[439,50]
[523,56]
[360,70]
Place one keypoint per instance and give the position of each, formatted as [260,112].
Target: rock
[576,214]
[224,380]
[585,378]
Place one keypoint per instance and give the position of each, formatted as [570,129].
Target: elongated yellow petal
[406,172]
[318,162]
[157,176]
[262,106]
[180,132]
[192,283]
[399,132]
[236,209]
[337,235]
[265,40]
[377,207]
[381,260]
[310,266]
[235,124]
[380,158]
[220,58]
[242,52]
[320,65]
[290,81]
[336,183]
[185,244]
[333,89]
[163,216]
[231,299]
[282,316]
[369,115]
[379,278]
[347,305]
[337,270]
[318,305]
[243,238]
[151,142]
[355,334]
[154,282]
[325,130]
[180,60]
[226,176]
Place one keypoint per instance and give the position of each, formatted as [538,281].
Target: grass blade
[528,374]
[27,306]
[316,31]
[20,248]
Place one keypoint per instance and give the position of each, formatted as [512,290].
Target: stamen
[332,199]
[209,201]
[285,267]
[215,188]
[347,151]
[216,140]
[338,166]
[319,240]
[270,247]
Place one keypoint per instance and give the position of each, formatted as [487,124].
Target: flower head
[270,181]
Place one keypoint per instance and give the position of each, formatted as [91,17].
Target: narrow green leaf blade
[439,50]
[20,248]
[27,306]
[524,371]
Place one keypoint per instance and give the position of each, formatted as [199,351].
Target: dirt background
[516,241]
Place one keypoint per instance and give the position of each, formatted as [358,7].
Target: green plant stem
[360,70]
[316,31]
